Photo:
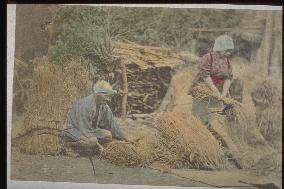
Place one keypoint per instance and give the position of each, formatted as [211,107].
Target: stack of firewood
[147,88]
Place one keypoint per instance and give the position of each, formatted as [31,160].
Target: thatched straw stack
[147,56]
[188,142]
[76,78]
[270,123]
[268,101]
[266,93]
[43,114]
[52,96]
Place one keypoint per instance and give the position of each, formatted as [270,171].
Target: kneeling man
[90,121]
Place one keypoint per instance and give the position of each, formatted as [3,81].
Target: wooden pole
[268,42]
[124,89]
[223,29]
[275,61]
[263,52]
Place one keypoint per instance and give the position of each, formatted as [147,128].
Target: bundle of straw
[201,91]
[126,154]
[235,111]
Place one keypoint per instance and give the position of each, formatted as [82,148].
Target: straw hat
[103,87]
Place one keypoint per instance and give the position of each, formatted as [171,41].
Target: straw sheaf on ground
[179,142]
[245,142]
[141,154]
[189,139]
[53,94]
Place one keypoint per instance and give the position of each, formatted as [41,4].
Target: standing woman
[215,71]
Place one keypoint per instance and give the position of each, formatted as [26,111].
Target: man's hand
[90,141]
[134,141]
[128,140]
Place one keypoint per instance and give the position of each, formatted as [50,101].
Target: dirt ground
[71,169]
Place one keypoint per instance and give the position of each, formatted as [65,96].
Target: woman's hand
[217,94]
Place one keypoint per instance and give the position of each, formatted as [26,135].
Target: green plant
[88,31]
[86,35]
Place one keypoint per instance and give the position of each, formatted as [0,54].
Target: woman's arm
[205,73]
[228,80]
[226,87]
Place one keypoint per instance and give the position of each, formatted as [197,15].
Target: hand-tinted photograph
[156,96]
